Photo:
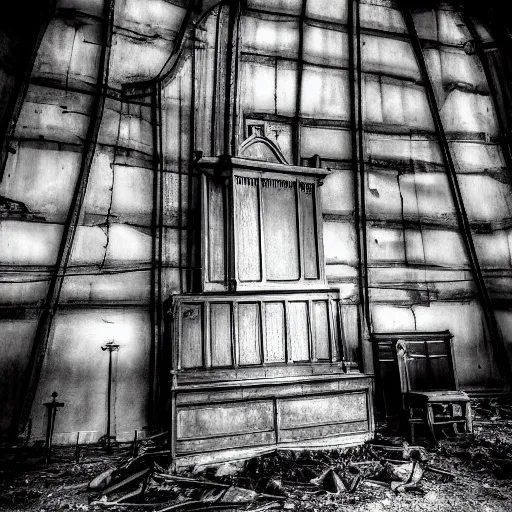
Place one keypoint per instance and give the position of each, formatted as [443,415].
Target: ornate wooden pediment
[257,147]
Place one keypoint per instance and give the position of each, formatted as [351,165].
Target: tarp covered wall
[296,71]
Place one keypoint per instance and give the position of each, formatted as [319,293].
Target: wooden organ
[257,356]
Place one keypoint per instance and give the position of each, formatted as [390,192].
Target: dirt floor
[472,473]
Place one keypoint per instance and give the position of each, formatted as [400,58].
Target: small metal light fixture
[111,346]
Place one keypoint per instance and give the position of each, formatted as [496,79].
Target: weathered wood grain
[275,332]
[248,238]
[309,230]
[280,228]
[299,330]
[221,334]
[249,333]
[192,336]
[322,330]
[216,233]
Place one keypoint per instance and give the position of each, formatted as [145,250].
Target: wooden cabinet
[247,330]
[258,354]
[262,226]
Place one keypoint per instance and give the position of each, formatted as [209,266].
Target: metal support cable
[356,131]
[362,175]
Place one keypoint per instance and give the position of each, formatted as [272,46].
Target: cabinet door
[247,214]
[276,231]
[280,231]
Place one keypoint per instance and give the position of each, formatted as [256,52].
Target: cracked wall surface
[106,291]
[136,241]
[294,83]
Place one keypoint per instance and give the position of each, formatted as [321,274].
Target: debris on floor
[472,472]
[402,477]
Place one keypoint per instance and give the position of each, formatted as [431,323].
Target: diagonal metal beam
[180,40]
[497,344]
[33,370]
[12,114]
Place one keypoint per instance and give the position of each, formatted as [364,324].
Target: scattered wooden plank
[435,469]
[375,483]
[209,483]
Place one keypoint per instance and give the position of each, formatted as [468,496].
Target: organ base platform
[256,372]
[227,420]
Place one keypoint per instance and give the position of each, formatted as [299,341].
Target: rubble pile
[385,474]
[282,479]
[489,448]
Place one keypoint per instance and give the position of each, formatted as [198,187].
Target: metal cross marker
[51,407]
[111,347]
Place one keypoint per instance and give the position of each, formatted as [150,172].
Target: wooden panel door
[281,238]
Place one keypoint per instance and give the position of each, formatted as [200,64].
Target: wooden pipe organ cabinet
[257,355]
[262,227]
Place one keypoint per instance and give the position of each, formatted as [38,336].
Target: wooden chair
[429,386]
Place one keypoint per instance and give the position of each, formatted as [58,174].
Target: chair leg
[430,421]
[469,418]
[408,418]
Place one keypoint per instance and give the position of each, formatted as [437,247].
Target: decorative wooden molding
[224,164]
[252,143]
[229,331]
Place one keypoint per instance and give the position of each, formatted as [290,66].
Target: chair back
[426,364]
